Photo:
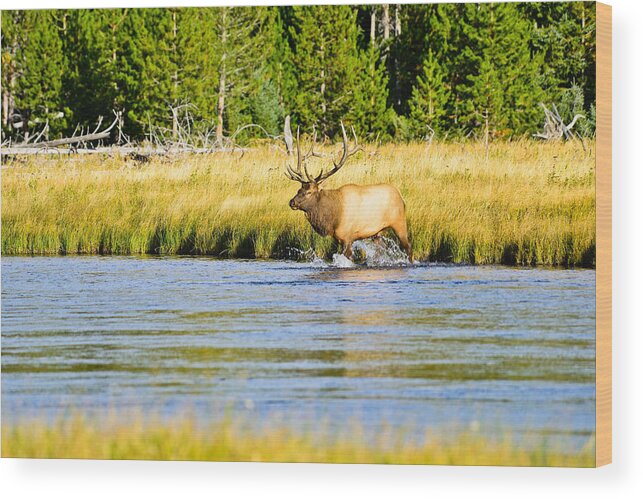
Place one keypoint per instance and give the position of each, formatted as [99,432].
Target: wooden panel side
[603,234]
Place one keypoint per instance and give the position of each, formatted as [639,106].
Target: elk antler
[347,153]
[297,175]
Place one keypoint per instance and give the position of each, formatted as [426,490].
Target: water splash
[381,252]
[307,256]
[341,262]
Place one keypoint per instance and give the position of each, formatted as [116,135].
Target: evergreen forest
[395,72]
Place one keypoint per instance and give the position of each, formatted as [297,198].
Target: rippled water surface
[491,349]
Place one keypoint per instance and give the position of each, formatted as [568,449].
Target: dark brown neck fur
[324,212]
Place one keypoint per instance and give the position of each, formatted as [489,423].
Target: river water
[310,344]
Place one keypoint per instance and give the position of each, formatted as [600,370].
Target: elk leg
[348,249]
[377,238]
[401,232]
[344,248]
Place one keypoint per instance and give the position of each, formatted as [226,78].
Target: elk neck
[324,211]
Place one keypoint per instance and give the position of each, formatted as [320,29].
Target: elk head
[307,194]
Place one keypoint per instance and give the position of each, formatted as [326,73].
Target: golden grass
[80,438]
[526,203]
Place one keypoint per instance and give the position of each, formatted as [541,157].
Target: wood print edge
[603,234]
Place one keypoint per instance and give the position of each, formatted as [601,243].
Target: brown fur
[325,213]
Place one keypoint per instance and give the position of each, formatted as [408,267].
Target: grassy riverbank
[526,203]
[81,438]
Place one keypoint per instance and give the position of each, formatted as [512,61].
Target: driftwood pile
[74,144]
[554,127]
[160,141]
[184,138]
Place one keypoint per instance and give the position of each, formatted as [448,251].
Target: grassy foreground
[524,203]
[181,440]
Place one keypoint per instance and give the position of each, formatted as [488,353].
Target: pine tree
[83,85]
[271,94]
[39,94]
[430,96]
[462,69]
[174,70]
[279,72]
[564,38]
[326,63]
[196,62]
[111,49]
[425,28]
[159,92]
[12,38]
[266,110]
[370,113]
[242,41]
[497,82]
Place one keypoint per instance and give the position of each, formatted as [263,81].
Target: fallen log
[67,141]
[120,150]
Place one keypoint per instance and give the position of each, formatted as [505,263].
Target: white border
[623,478]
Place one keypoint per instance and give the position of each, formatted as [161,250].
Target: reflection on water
[435,346]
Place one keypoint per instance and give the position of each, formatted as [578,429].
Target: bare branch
[288,135]
[70,140]
[554,127]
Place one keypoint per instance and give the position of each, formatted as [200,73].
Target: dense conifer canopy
[394,72]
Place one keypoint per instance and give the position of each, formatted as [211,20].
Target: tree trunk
[7,93]
[5,106]
[398,20]
[396,62]
[386,21]
[222,80]
[386,25]
[221,105]
[114,26]
[322,87]
[373,24]
[175,80]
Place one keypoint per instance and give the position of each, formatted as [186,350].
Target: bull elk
[352,212]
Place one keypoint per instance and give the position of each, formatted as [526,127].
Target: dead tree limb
[288,135]
[70,140]
[115,150]
[429,136]
[554,127]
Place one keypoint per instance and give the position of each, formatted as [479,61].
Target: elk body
[352,212]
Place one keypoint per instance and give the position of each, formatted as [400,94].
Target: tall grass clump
[519,203]
[182,439]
